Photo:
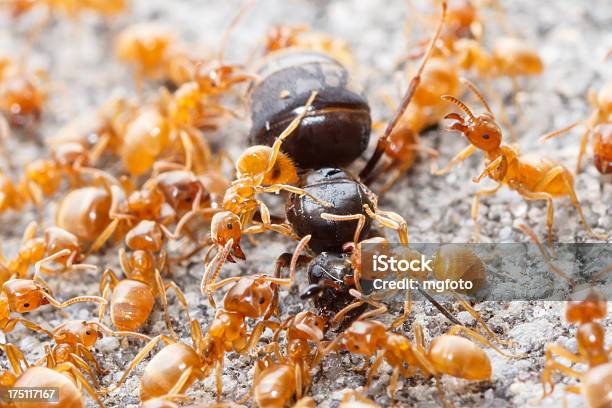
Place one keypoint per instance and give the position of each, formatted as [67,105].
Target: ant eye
[26,305]
[229,226]
[262,300]
[87,333]
[485,136]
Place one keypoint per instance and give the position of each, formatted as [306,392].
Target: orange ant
[26,295]
[133,297]
[400,140]
[65,378]
[533,179]
[178,365]
[11,195]
[96,132]
[56,245]
[462,40]
[84,212]
[73,341]
[22,95]
[261,169]
[72,8]
[451,261]
[354,398]
[599,124]
[276,383]
[145,46]
[161,199]
[282,37]
[447,354]
[592,351]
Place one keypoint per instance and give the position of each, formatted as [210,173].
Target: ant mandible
[533,178]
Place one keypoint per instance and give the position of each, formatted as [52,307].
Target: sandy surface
[570,36]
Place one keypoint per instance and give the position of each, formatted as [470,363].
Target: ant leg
[267,225]
[468,308]
[98,149]
[550,367]
[576,203]
[298,382]
[555,349]
[80,380]
[49,259]
[180,385]
[189,149]
[197,337]
[583,145]
[86,354]
[276,188]
[391,220]
[142,354]
[480,339]
[360,218]
[461,156]
[287,132]
[81,364]
[219,376]
[406,312]
[383,141]
[121,333]
[257,332]
[347,309]
[282,229]
[392,388]
[4,136]
[27,324]
[487,170]
[401,169]
[476,205]
[547,259]
[104,236]
[211,287]
[372,371]
[15,357]
[295,258]
[379,307]
[69,302]
[180,296]
[30,232]
[161,290]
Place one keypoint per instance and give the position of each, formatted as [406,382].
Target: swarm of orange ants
[140,175]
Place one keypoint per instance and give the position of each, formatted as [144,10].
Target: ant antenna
[383,141]
[478,94]
[461,105]
[224,39]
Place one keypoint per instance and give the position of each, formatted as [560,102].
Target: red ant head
[481,130]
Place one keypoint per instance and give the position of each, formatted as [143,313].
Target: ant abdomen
[457,262]
[335,131]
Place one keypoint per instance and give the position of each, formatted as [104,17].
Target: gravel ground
[571,38]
